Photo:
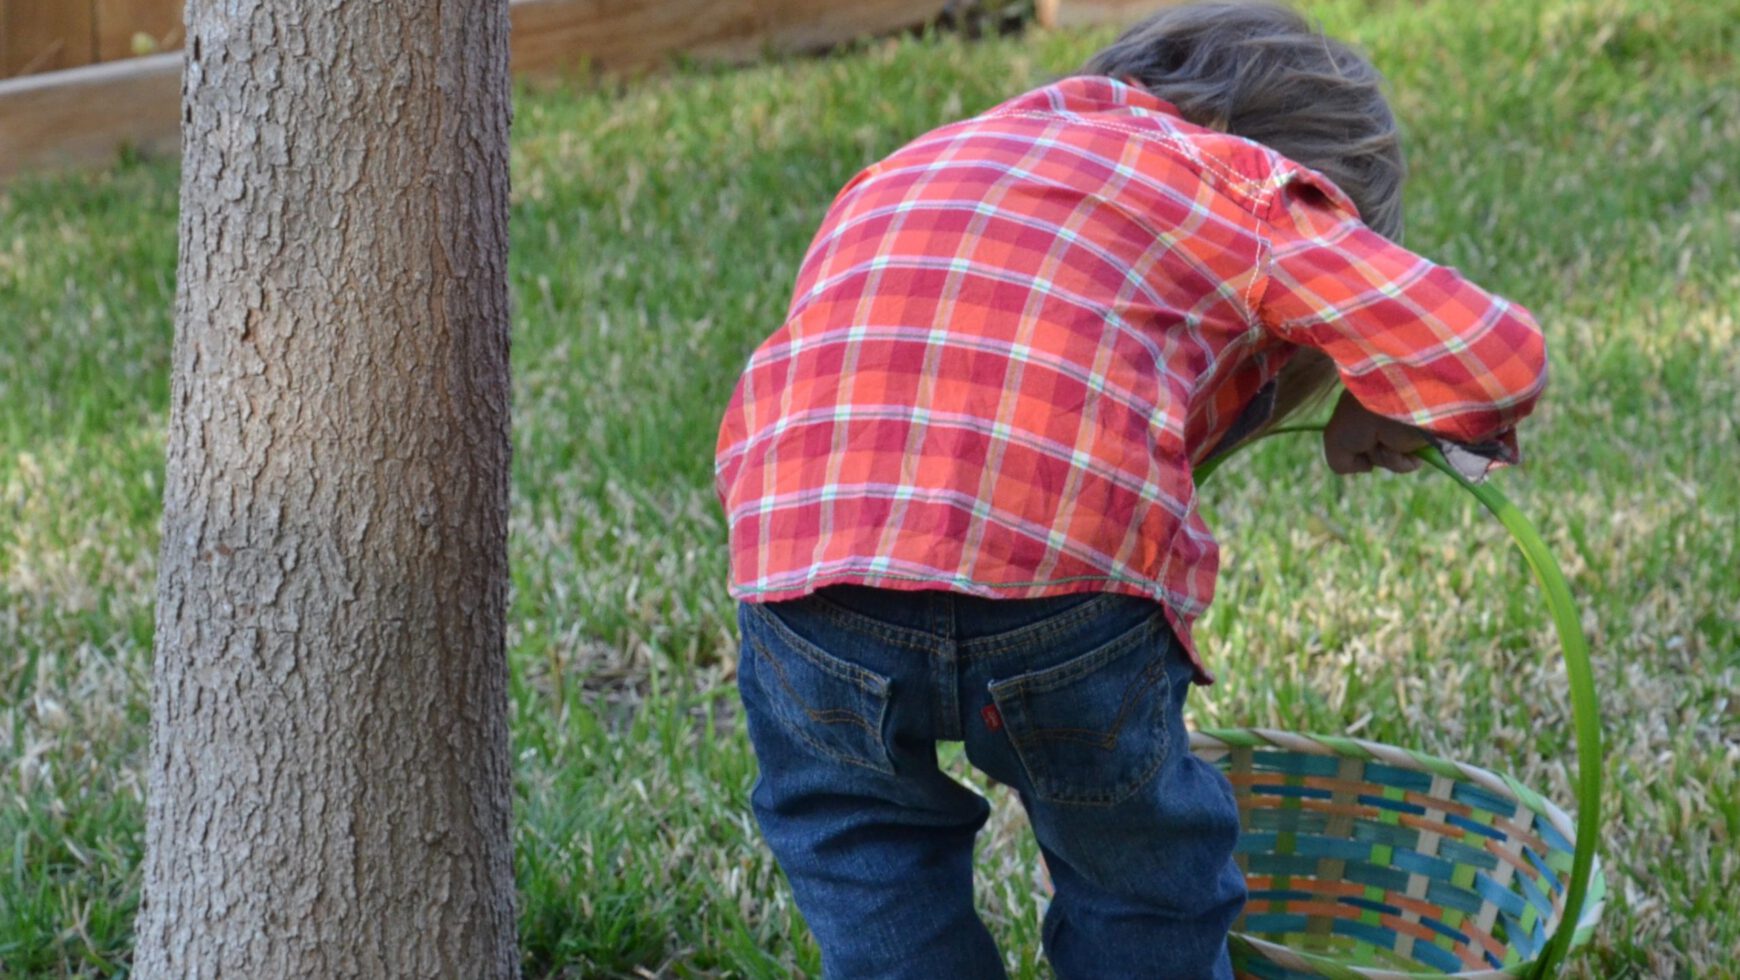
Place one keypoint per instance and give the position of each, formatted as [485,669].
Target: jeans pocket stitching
[1108,738]
[852,673]
[1114,794]
[826,716]
[1074,670]
[1027,737]
[870,684]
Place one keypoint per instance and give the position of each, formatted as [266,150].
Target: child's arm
[1413,341]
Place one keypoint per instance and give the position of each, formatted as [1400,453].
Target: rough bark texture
[329,790]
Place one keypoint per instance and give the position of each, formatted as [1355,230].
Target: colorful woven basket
[1365,860]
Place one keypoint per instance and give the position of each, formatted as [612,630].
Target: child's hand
[1356,439]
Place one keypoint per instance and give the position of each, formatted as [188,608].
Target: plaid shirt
[1012,340]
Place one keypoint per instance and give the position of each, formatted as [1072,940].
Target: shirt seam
[1253,196]
[1253,193]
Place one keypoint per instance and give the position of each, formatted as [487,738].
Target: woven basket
[1365,860]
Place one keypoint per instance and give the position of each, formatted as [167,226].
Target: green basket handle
[1585,711]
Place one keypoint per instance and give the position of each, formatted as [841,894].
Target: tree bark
[329,790]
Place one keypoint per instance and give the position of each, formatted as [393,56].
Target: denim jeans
[1076,702]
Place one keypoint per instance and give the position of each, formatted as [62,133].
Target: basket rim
[1217,739]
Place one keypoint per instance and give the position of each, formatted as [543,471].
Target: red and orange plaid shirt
[1012,340]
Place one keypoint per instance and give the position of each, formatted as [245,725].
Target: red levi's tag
[993,719]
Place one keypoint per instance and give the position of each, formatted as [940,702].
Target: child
[959,477]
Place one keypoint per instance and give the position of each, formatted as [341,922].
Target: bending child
[958,478]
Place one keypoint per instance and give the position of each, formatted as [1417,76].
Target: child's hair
[1262,71]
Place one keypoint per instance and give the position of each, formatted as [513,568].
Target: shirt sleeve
[1412,340]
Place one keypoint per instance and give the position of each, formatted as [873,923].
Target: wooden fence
[1087,13]
[51,35]
[75,104]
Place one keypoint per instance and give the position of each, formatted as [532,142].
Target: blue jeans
[1075,701]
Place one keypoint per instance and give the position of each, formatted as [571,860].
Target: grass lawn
[1577,155]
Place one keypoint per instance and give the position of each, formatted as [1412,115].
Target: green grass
[1577,155]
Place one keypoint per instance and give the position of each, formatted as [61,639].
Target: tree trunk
[329,791]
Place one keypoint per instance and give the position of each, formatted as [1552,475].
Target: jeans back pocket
[1095,728]
[835,707]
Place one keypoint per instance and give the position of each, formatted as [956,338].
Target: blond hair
[1262,71]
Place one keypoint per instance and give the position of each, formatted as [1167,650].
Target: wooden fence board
[562,35]
[1096,13]
[44,35]
[83,115]
[117,21]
